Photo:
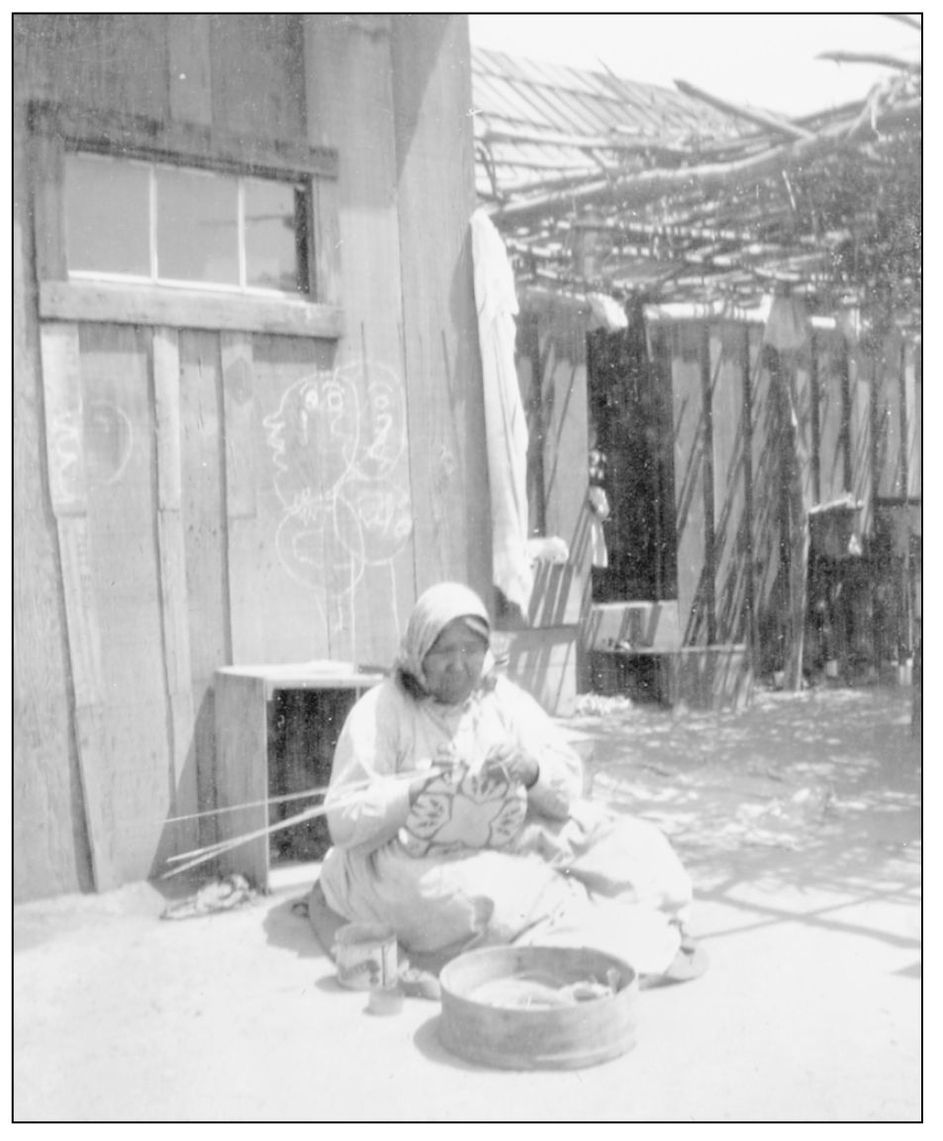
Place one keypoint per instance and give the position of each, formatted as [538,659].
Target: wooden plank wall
[50,837]
[115,61]
[127,577]
[734,406]
[232,497]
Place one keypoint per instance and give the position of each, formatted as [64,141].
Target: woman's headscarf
[434,610]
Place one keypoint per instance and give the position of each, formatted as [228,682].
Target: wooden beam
[636,189]
[173,573]
[910,21]
[59,349]
[579,142]
[186,309]
[872,58]
[761,118]
[194,143]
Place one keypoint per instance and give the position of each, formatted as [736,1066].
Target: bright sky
[751,58]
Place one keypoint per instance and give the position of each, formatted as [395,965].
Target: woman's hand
[507,760]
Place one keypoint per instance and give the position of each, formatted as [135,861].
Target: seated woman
[457,817]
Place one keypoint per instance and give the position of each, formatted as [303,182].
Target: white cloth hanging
[505,423]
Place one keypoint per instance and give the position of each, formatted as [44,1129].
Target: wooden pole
[773,123]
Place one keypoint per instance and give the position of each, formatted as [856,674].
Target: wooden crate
[276,728]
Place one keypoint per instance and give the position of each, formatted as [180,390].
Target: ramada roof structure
[597,183]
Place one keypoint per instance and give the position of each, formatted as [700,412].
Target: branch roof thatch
[597,182]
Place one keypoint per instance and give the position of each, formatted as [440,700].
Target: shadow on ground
[817,793]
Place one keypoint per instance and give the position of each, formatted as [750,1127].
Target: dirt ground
[799,820]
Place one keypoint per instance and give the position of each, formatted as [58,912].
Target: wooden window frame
[55,129]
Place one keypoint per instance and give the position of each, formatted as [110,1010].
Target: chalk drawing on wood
[65,455]
[109,440]
[338,442]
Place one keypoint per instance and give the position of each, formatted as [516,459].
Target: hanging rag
[605,313]
[598,513]
[505,423]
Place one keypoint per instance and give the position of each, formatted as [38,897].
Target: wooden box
[276,728]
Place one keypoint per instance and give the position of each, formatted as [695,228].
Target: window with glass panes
[148,222]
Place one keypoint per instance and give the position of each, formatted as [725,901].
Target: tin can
[365,956]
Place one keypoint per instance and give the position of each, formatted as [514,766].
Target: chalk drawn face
[314,437]
[108,441]
[382,428]
[338,442]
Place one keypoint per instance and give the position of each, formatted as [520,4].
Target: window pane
[197,231]
[106,215]
[272,236]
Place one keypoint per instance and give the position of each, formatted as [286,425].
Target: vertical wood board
[242,770]
[832,385]
[559,591]
[188,50]
[543,662]
[51,852]
[731,523]
[435,188]
[47,171]
[689,444]
[257,68]
[303,442]
[766,480]
[62,397]
[203,519]
[564,398]
[888,442]
[914,412]
[124,569]
[68,490]
[247,637]
[326,242]
[359,117]
[802,403]
[165,356]
[861,383]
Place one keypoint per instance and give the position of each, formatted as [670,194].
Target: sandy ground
[800,822]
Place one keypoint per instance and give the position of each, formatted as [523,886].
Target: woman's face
[453,666]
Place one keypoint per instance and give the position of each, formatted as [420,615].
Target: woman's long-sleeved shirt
[388,733]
